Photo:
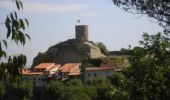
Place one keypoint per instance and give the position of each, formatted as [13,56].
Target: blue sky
[53,21]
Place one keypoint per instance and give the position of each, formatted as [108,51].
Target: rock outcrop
[72,50]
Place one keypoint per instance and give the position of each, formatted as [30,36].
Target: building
[103,72]
[69,71]
[40,73]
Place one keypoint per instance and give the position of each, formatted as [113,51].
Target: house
[69,71]
[40,73]
[102,71]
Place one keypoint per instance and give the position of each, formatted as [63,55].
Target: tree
[22,91]
[147,77]
[11,69]
[103,88]
[156,9]
[2,90]
[102,48]
[74,90]
[15,27]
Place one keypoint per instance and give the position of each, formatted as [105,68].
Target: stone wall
[81,32]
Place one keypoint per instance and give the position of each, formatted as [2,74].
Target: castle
[72,50]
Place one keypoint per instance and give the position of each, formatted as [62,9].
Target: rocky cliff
[72,50]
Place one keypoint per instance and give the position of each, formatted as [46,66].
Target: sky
[53,21]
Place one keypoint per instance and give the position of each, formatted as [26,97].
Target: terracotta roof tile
[44,65]
[68,67]
[29,72]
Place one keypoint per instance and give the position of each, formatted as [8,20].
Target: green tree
[103,88]
[53,90]
[10,70]
[102,48]
[15,28]
[147,77]
[2,90]
[22,91]
[73,90]
[156,9]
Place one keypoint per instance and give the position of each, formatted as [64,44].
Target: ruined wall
[96,53]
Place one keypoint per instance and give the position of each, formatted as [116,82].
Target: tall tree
[15,31]
[10,70]
[147,77]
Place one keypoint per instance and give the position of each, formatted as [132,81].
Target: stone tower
[81,32]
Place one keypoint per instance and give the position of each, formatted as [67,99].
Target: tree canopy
[147,77]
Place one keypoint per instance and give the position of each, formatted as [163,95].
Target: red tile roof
[29,72]
[53,67]
[44,65]
[68,67]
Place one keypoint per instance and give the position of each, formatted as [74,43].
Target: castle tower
[81,32]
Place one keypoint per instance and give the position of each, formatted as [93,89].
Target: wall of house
[97,73]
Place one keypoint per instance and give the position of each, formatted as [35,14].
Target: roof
[68,67]
[99,68]
[29,72]
[44,65]
[53,67]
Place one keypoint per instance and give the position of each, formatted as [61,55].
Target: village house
[40,73]
[69,71]
[102,72]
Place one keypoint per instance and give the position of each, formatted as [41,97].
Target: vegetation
[102,48]
[147,77]
[91,63]
[11,87]
[98,89]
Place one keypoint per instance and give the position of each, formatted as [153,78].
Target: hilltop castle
[72,50]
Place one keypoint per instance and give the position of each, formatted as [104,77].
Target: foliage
[116,79]
[102,47]
[147,78]
[53,90]
[19,91]
[71,91]
[11,70]
[157,9]
[2,91]
[97,89]
[15,31]
[125,51]
[91,63]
